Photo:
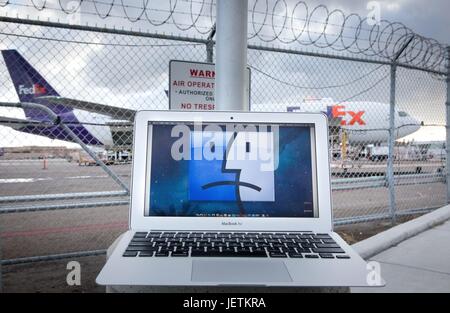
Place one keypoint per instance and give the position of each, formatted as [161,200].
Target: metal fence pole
[1,259]
[447,126]
[231,55]
[210,52]
[210,45]
[390,165]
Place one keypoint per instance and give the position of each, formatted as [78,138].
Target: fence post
[1,258]
[210,51]
[210,45]
[390,165]
[447,127]
[231,55]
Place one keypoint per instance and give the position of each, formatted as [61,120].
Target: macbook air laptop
[226,199]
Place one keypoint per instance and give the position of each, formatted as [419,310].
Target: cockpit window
[402,114]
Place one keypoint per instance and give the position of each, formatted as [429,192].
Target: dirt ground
[48,277]
[357,232]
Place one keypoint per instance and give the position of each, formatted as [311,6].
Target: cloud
[427,18]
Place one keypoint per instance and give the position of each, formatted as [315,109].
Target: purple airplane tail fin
[30,85]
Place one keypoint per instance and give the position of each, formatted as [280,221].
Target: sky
[109,73]
[428,18]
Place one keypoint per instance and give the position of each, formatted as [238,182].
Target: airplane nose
[410,125]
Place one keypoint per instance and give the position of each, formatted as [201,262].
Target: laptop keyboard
[234,244]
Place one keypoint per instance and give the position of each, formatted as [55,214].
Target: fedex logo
[36,89]
[339,111]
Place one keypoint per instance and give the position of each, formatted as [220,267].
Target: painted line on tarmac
[69,229]
[22,180]
[34,180]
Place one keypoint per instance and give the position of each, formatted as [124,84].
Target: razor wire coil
[275,21]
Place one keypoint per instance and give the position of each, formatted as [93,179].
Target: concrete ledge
[387,239]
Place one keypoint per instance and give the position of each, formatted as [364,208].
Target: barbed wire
[271,21]
[4,3]
[333,29]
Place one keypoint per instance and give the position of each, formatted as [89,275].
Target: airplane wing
[112,111]
[119,124]
[17,122]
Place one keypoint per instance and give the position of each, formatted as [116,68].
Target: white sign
[192,86]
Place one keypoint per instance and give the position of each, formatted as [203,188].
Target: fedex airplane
[83,118]
[364,122]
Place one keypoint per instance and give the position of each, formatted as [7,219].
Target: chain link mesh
[75,205]
[118,71]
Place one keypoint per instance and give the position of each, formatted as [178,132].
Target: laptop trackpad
[239,271]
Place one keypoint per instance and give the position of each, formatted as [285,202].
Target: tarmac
[70,230]
[81,229]
[419,264]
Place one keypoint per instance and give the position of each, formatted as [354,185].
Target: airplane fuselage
[364,122]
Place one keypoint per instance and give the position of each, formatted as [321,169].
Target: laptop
[231,199]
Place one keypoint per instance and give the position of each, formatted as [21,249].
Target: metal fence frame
[390,181]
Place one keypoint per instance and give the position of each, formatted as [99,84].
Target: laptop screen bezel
[143,146]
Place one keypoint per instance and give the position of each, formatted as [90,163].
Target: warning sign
[192,86]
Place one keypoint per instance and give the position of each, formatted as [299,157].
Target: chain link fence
[55,199]
[359,145]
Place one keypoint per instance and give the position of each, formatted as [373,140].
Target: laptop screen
[229,170]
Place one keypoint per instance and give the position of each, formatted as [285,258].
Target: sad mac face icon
[232,163]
